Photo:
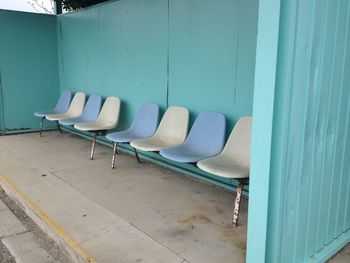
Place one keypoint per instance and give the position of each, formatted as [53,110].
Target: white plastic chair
[106,120]
[234,161]
[172,131]
[75,109]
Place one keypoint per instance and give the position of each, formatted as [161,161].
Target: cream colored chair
[234,161]
[106,120]
[75,109]
[172,131]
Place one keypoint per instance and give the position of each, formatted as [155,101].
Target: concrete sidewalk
[136,213]
[21,241]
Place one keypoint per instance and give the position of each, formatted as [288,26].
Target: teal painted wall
[212,55]
[263,109]
[309,215]
[28,65]
[118,49]
[2,126]
[197,54]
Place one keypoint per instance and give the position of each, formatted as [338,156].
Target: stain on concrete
[195,219]
[219,209]
[179,233]
[229,235]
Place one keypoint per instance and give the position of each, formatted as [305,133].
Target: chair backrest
[174,125]
[63,101]
[238,144]
[77,105]
[207,134]
[92,108]
[110,111]
[146,120]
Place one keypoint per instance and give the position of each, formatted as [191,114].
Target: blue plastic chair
[205,139]
[61,107]
[143,126]
[90,113]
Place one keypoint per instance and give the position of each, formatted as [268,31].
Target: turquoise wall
[198,54]
[212,55]
[309,215]
[28,66]
[201,54]
[118,49]
[2,126]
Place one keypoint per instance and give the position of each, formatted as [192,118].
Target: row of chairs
[203,146]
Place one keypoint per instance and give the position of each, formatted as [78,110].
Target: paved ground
[136,213]
[343,256]
[21,240]
[5,256]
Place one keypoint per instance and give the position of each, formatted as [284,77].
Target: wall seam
[347,114]
[168,59]
[2,103]
[237,50]
[322,61]
[285,159]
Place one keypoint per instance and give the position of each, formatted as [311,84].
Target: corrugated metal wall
[309,213]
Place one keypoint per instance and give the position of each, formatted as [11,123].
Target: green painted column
[263,109]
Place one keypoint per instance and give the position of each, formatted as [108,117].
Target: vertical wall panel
[312,117]
[2,126]
[122,48]
[116,49]
[28,65]
[198,54]
[212,54]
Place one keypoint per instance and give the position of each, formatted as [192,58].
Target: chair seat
[98,125]
[61,106]
[62,116]
[153,144]
[42,114]
[184,154]
[74,121]
[224,167]
[125,136]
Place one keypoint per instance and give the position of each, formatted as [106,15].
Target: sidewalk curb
[67,243]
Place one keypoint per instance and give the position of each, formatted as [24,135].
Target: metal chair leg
[93,146]
[115,151]
[137,155]
[41,126]
[59,127]
[237,203]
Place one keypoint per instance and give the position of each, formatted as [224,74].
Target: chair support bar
[59,127]
[96,133]
[237,204]
[93,147]
[41,126]
[137,155]
[115,151]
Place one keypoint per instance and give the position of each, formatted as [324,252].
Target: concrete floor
[343,256]
[135,213]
